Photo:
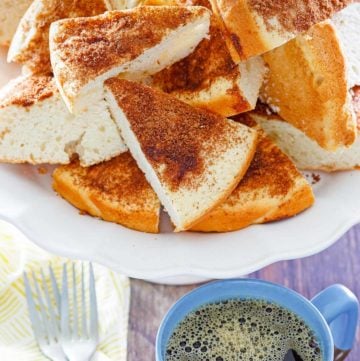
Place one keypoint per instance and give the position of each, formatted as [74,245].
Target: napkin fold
[17,342]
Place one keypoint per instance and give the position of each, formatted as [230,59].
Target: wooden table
[338,264]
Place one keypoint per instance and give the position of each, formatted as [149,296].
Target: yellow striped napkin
[17,342]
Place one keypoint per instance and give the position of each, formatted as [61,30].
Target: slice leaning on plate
[138,42]
[304,151]
[211,77]
[30,45]
[272,189]
[257,26]
[310,80]
[192,158]
[36,127]
[115,191]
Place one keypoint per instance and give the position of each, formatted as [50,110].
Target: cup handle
[340,308]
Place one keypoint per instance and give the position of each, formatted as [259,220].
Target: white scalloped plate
[28,202]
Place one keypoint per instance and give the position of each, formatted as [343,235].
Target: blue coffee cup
[332,314]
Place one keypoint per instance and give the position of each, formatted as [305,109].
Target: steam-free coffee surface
[248,330]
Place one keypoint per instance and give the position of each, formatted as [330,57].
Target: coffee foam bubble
[248,330]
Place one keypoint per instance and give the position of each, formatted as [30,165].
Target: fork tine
[53,325]
[93,306]
[83,303]
[75,333]
[55,288]
[36,324]
[43,313]
[65,327]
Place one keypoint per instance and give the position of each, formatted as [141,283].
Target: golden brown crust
[226,103]
[292,17]
[92,46]
[307,83]
[36,55]
[28,90]
[115,191]
[246,38]
[271,189]
[174,137]
[301,199]
[203,219]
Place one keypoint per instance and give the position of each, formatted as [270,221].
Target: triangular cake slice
[311,78]
[304,151]
[212,77]
[136,43]
[115,191]
[30,45]
[36,127]
[192,158]
[271,189]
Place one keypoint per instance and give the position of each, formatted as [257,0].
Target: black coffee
[248,330]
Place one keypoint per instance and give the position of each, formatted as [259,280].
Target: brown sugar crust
[36,56]
[307,82]
[115,191]
[271,189]
[296,15]
[170,132]
[92,46]
[28,91]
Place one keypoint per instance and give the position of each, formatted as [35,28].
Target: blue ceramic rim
[326,340]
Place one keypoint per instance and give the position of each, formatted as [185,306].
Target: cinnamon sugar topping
[93,45]
[261,171]
[210,59]
[296,15]
[37,52]
[175,137]
[118,179]
[28,91]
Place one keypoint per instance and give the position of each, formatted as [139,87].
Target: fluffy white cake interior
[46,132]
[305,152]
[185,205]
[251,77]
[177,45]
[347,24]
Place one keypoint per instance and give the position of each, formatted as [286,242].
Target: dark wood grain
[338,264]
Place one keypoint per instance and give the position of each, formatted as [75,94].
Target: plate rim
[190,271]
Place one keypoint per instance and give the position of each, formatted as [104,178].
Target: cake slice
[30,45]
[304,151]
[272,189]
[136,43]
[11,12]
[311,78]
[257,26]
[212,77]
[115,191]
[36,127]
[192,158]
